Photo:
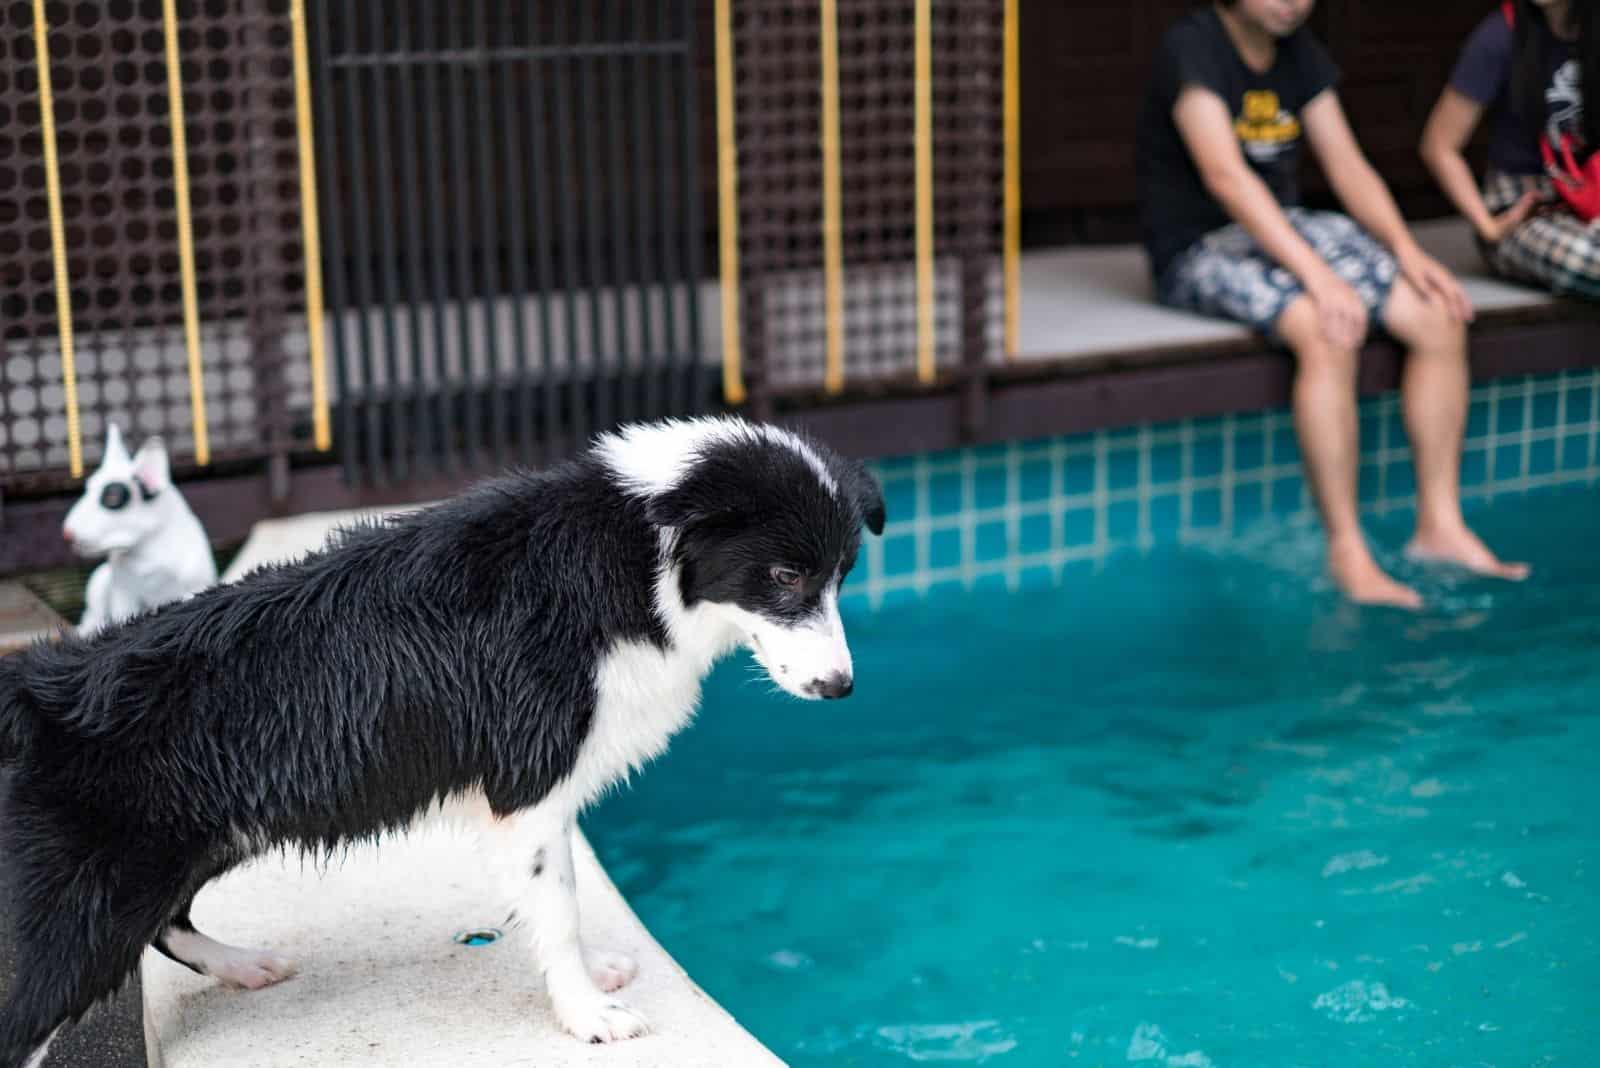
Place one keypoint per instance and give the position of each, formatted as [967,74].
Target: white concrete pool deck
[382,981]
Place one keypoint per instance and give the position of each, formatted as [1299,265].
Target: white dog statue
[155,548]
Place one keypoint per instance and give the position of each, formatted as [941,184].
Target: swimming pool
[1183,811]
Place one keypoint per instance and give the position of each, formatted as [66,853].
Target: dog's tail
[16,721]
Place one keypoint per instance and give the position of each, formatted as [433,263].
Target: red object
[1578,185]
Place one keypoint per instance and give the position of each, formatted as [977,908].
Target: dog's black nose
[834,686]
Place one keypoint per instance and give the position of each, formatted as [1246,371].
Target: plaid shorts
[1226,274]
[1553,249]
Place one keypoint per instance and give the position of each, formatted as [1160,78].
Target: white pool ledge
[382,981]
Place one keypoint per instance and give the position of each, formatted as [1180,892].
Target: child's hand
[1495,230]
[1434,281]
[1340,311]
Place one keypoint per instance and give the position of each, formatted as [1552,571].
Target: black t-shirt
[1176,209]
[1483,74]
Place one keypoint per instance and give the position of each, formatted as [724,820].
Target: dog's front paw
[611,971]
[600,1019]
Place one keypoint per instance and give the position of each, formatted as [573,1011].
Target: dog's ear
[681,507]
[670,509]
[867,493]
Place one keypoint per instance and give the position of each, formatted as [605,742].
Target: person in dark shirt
[1525,67]
[1237,87]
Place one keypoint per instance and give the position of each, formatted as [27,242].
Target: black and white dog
[504,656]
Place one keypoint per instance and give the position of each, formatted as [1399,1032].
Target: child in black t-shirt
[1237,86]
[1525,66]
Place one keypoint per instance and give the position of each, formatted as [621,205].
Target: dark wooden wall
[1084,68]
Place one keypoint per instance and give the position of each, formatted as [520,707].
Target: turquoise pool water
[1184,810]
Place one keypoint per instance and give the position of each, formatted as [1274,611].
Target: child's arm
[1367,198]
[1207,130]
[1449,129]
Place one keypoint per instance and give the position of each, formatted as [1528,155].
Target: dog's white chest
[644,697]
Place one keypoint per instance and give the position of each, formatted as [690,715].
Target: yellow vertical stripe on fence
[832,211]
[924,191]
[728,209]
[180,180]
[58,238]
[1012,240]
[322,435]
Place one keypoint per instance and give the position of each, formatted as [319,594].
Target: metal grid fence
[510,206]
[870,179]
[512,221]
[175,320]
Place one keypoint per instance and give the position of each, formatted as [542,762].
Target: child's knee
[1422,322]
[1438,325]
[1300,327]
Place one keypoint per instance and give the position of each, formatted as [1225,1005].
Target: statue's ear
[151,468]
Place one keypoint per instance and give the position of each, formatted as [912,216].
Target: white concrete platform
[382,980]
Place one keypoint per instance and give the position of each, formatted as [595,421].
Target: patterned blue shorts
[1226,274]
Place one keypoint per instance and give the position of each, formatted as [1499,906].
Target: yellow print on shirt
[1264,124]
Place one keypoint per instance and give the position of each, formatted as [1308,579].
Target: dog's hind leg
[36,1058]
[78,939]
[531,855]
[49,991]
[246,969]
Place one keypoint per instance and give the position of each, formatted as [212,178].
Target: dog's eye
[114,497]
[787,577]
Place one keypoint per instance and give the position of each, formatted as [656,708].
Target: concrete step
[383,980]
